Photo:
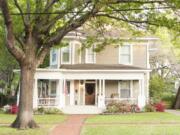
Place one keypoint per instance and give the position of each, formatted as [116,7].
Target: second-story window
[53,57]
[125,54]
[90,55]
[65,55]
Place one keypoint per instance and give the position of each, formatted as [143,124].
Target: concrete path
[72,126]
[175,112]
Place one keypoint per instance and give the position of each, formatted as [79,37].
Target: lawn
[46,122]
[133,124]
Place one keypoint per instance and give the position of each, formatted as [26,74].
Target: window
[53,57]
[65,55]
[125,91]
[53,88]
[125,54]
[90,55]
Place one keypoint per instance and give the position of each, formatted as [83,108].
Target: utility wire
[72,12]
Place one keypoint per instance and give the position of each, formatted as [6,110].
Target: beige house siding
[109,55]
[140,55]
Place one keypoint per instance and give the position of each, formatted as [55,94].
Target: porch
[98,93]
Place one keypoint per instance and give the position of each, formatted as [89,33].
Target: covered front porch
[61,89]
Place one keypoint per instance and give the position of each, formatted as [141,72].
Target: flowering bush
[149,108]
[121,107]
[159,107]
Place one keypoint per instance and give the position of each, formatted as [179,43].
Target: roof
[101,67]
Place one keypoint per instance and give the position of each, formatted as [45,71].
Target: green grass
[46,122]
[133,124]
[41,119]
[135,118]
[132,130]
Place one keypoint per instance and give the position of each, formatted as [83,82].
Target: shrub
[160,107]
[121,107]
[53,111]
[149,108]
[169,100]
[43,110]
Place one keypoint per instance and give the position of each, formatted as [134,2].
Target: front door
[90,93]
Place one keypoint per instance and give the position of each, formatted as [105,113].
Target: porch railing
[47,101]
[127,100]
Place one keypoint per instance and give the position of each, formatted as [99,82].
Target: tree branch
[21,12]
[14,50]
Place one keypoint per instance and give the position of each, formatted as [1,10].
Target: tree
[34,26]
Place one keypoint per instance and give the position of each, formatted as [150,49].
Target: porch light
[81,82]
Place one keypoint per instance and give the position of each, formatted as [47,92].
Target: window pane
[90,55]
[125,54]
[125,49]
[125,59]
[65,57]
[66,54]
[53,88]
[125,89]
[125,93]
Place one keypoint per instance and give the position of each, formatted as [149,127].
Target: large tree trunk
[25,114]
[177,100]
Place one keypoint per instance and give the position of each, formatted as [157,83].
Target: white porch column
[96,96]
[72,92]
[100,86]
[101,97]
[141,96]
[62,95]
[58,94]
[35,94]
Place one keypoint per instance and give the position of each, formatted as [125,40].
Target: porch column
[141,96]
[101,96]
[58,94]
[72,92]
[62,96]
[35,94]
[103,88]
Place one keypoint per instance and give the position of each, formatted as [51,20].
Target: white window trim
[131,89]
[70,55]
[86,57]
[131,54]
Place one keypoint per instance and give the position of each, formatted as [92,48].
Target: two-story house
[85,81]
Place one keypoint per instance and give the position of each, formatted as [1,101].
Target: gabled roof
[101,67]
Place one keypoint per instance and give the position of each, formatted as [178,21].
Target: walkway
[72,126]
[175,112]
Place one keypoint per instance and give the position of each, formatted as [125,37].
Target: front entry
[90,93]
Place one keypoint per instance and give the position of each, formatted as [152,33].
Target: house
[85,81]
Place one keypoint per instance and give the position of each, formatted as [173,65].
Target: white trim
[131,53]
[73,52]
[95,92]
[79,94]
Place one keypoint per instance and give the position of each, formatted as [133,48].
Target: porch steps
[82,109]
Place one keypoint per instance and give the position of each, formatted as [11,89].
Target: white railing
[128,100]
[47,101]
